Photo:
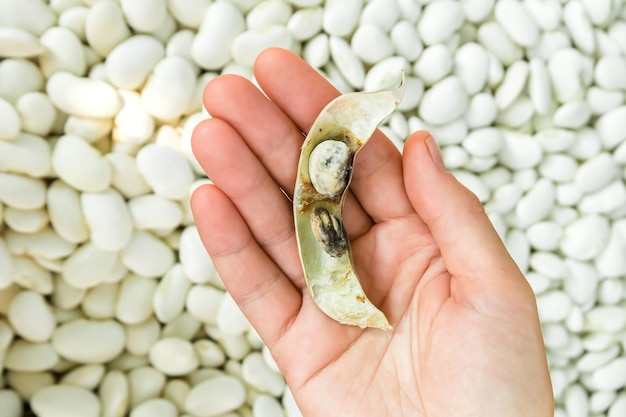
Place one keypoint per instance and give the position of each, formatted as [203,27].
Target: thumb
[469,244]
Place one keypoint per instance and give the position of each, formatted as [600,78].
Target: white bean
[168,90]
[611,376]
[512,85]
[18,43]
[477,10]
[439,21]
[596,172]
[37,113]
[382,13]
[105,27]
[517,22]
[215,396]
[134,299]
[144,15]
[130,62]
[108,219]
[30,316]
[519,151]
[340,16]
[86,376]
[546,13]
[183,326]
[72,95]
[89,266]
[539,87]
[27,384]
[21,192]
[371,44]
[26,154]
[87,341]
[63,52]
[142,336]
[305,23]
[618,407]
[269,12]
[23,356]
[173,356]
[40,17]
[472,66]
[65,400]
[74,19]
[602,101]
[146,255]
[585,238]
[189,13]
[10,403]
[203,302]
[165,170]
[610,72]
[444,101]
[347,61]
[579,26]
[11,125]
[558,167]
[434,63]
[176,391]
[154,406]
[18,77]
[493,37]
[209,353]
[211,47]
[144,383]
[248,45]
[565,68]
[267,406]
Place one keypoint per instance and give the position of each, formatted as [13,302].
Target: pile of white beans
[109,305]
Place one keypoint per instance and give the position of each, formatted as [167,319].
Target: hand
[466,338]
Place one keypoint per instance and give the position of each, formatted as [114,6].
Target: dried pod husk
[324,174]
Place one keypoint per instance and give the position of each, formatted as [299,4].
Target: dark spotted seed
[330,167]
[329,232]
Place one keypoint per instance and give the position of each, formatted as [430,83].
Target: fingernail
[435,153]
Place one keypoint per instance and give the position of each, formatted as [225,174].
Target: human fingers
[301,92]
[270,135]
[237,172]
[255,282]
[471,248]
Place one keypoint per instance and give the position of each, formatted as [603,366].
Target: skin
[466,339]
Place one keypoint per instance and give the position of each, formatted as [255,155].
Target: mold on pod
[329,232]
[324,174]
[329,167]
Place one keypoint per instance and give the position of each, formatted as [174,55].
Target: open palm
[466,338]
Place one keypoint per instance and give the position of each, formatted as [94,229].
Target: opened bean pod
[324,173]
